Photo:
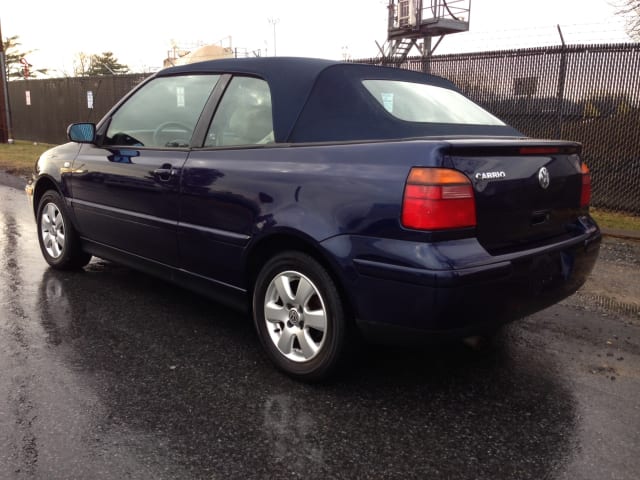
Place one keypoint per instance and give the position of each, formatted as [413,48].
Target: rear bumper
[462,290]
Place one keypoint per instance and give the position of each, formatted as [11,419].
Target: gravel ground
[614,285]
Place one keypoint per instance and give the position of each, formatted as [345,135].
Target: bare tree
[81,64]
[630,10]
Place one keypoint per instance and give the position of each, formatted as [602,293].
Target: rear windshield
[419,102]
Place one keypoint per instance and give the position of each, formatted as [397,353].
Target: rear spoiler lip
[514,148]
[501,145]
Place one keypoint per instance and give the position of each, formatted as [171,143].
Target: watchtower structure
[413,20]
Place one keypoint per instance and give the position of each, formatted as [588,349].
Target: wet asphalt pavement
[108,373]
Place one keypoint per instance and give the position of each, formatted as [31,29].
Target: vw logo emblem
[294,316]
[543,177]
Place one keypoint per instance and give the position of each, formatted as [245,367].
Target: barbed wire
[539,36]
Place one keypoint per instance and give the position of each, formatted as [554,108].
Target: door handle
[165,173]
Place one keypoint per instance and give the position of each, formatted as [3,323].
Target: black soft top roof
[323,100]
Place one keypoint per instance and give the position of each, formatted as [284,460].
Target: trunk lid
[527,191]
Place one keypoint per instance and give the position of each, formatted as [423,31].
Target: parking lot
[109,373]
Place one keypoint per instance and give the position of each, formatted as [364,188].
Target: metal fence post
[5,118]
[562,76]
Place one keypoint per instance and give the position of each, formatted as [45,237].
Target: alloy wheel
[52,230]
[295,316]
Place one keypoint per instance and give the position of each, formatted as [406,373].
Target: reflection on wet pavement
[188,377]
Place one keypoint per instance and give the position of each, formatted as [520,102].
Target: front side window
[244,115]
[162,114]
[419,102]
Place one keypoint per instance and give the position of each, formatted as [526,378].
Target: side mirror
[82,132]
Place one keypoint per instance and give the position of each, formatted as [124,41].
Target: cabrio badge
[490,175]
[544,178]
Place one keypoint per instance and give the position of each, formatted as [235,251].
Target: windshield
[419,102]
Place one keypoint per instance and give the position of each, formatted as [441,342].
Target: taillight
[438,198]
[539,150]
[585,191]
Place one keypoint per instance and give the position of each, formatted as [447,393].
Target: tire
[59,242]
[299,316]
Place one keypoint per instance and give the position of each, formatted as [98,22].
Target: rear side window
[419,102]
[163,113]
[244,115]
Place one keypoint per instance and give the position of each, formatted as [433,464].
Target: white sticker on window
[180,96]
[387,101]
[27,97]
[89,99]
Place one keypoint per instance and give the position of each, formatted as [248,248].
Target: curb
[623,234]
[19,183]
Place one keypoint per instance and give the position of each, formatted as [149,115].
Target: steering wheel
[178,142]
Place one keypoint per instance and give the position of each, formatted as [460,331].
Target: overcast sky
[140,33]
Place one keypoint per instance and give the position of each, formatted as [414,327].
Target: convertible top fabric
[322,101]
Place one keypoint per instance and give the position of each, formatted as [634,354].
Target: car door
[125,188]
[220,202]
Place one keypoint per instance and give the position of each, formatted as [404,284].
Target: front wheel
[58,239]
[299,316]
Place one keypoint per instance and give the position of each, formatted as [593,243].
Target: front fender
[52,171]
[55,165]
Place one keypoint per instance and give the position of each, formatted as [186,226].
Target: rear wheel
[58,239]
[299,316]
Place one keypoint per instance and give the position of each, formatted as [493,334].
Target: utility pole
[5,130]
[274,22]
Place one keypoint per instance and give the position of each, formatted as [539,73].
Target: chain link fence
[585,93]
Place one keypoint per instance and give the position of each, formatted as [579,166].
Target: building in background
[182,56]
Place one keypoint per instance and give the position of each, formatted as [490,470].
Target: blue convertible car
[328,199]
